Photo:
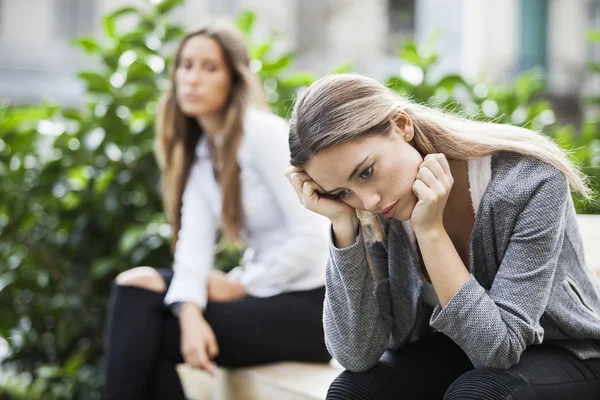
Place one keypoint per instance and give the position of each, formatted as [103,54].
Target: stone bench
[304,381]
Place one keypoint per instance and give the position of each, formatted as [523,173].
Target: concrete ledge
[280,381]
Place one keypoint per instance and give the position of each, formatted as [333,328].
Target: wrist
[349,222]
[188,308]
[430,232]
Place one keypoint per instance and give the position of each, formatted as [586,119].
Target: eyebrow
[354,171]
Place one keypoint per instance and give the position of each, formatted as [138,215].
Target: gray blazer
[528,280]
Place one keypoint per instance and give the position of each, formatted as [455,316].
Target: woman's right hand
[312,197]
[198,342]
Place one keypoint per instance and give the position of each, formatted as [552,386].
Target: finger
[443,161]
[191,358]
[290,170]
[211,345]
[427,177]
[420,189]
[297,179]
[434,166]
[309,193]
[203,361]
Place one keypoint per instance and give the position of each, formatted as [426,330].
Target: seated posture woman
[223,169]
[471,283]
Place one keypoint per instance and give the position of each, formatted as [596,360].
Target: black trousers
[143,337]
[436,368]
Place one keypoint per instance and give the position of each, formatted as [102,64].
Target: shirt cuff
[450,319]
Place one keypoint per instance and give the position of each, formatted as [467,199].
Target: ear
[402,125]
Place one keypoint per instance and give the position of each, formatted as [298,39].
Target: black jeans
[143,337]
[436,368]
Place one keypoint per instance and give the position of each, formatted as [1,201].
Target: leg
[544,372]
[421,370]
[135,328]
[255,331]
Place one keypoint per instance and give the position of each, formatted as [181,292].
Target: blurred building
[489,39]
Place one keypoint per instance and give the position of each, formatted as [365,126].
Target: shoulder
[516,177]
[261,126]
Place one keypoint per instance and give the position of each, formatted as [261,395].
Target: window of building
[74,17]
[533,36]
[401,21]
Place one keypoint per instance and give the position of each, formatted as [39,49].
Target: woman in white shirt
[223,163]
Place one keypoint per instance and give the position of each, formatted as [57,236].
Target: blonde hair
[339,108]
[177,134]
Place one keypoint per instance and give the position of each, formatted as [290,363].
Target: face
[374,174]
[202,79]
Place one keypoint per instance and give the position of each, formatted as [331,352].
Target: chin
[405,212]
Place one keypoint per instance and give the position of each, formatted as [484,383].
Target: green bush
[80,186]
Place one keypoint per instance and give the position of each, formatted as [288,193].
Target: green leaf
[409,53]
[95,81]
[131,237]
[88,44]
[138,71]
[299,79]
[593,35]
[124,11]
[343,68]
[135,38]
[102,267]
[166,6]
[259,52]
[173,33]
[594,67]
[245,22]
[277,65]
[399,84]
[449,82]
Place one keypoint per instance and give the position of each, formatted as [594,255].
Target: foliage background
[80,200]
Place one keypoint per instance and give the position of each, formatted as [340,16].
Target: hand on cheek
[432,188]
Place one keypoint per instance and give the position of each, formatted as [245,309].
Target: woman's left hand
[222,289]
[432,188]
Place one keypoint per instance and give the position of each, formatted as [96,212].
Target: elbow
[502,356]
[353,361]
[353,355]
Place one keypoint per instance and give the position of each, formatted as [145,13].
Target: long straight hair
[178,134]
[340,108]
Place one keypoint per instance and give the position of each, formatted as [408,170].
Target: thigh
[421,370]
[543,372]
[255,331]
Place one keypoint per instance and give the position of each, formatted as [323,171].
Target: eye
[367,173]
[342,195]
[210,67]
[186,65]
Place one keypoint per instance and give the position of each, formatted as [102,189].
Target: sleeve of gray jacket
[357,328]
[494,329]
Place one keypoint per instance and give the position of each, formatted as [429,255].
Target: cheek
[221,86]
[408,205]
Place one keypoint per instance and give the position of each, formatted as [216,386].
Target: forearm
[444,266]
[345,232]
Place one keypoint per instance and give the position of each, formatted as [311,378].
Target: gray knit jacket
[528,280]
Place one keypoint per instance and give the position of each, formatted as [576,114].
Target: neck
[212,124]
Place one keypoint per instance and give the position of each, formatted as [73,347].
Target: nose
[193,76]
[370,199]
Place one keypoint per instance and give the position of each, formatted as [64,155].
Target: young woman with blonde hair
[464,276]
[223,162]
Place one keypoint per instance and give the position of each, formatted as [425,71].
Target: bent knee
[484,384]
[143,277]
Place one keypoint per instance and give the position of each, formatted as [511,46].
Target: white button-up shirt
[287,244]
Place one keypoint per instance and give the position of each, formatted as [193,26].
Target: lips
[389,211]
